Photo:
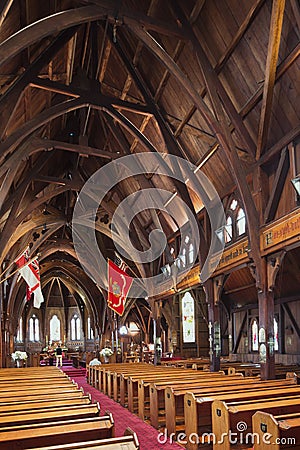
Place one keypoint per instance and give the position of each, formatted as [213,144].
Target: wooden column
[270,268]
[157,333]
[213,288]
[266,334]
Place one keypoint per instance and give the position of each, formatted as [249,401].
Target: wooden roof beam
[170,140]
[118,13]
[66,19]
[5,6]
[270,74]
[225,141]
[220,64]
[278,184]
[136,56]
[252,102]
[285,140]
[296,10]
[178,50]
[47,114]
[209,73]
[282,68]
[90,96]
[10,100]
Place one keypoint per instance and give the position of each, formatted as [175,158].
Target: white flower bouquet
[106,352]
[19,356]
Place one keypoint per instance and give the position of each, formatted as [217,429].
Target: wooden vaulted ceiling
[85,82]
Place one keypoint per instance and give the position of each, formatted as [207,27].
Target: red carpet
[147,435]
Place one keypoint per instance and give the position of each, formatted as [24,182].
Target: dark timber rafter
[218,87]
[66,19]
[270,74]
[224,139]
[90,96]
[4,9]
[9,100]
[220,64]
[171,142]
[280,179]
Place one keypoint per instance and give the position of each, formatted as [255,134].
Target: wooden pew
[50,414]
[131,381]
[36,391]
[39,404]
[174,396]
[16,397]
[138,385]
[18,387]
[37,376]
[128,442]
[276,432]
[30,384]
[197,408]
[157,393]
[56,433]
[226,417]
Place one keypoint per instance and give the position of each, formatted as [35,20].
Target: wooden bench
[48,414]
[174,397]
[56,433]
[14,397]
[157,393]
[24,384]
[197,408]
[10,390]
[227,415]
[276,432]
[127,442]
[137,384]
[39,404]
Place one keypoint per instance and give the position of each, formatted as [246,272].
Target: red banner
[119,284]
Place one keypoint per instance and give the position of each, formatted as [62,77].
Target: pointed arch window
[20,330]
[75,328]
[191,253]
[90,331]
[228,230]
[254,335]
[55,328]
[241,222]
[188,318]
[34,329]
[276,339]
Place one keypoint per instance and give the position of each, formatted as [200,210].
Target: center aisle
[147,435]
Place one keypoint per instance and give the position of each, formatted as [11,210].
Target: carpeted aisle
[147,435]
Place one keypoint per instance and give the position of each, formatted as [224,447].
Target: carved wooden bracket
[273,265]
[218,284]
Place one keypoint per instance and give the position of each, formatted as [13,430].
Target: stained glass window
[188,318]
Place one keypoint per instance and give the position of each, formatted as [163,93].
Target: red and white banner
[29,269]
[119,284]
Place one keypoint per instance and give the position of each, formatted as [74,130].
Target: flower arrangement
[19,356]
[106,352]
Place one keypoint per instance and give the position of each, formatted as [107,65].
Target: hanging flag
[31,273]
[119,284]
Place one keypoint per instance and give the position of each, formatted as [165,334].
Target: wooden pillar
[270,268]
[213,288]
[157,333]
[266,334]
